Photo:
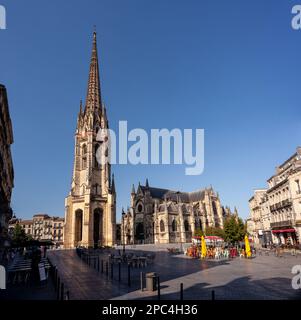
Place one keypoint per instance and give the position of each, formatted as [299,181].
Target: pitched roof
[159,193]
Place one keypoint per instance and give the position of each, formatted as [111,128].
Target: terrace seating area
[21,269]
[174,250]
[136,259]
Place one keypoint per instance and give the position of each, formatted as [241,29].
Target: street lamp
[123,230]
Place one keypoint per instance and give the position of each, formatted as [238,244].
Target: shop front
[285,236]
[267,238]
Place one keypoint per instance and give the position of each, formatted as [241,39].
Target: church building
[90,208]
[159,215]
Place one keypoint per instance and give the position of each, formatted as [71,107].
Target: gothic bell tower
[90,208]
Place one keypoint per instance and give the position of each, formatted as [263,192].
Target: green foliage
[198,233]
[19,237]
[214,231]
[29,237]
[234,229]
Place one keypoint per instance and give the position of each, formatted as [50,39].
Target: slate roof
[159,193]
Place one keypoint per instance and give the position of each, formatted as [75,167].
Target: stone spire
[80,107]
[133,189]
[113,184]
[93,100]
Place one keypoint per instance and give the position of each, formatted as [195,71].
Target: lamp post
[123,240]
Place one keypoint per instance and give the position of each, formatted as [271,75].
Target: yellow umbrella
[204,248]
[247,245]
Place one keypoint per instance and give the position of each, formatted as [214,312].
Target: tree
[215,231]
[234,229]
[198,232]
[19,236]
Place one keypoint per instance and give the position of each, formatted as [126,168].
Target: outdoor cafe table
[138,261]
[23,268]
[19,272]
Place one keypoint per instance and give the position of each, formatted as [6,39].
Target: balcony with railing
[281,224]
[280,205]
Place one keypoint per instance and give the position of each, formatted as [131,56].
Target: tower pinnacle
[93,100]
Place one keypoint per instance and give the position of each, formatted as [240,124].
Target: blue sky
[230,67]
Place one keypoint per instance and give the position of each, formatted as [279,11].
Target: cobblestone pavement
[84,282]
[263,277]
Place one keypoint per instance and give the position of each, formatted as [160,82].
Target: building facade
[90,208]
[6,164]
[42,227]
[255,204]
[164,216]
[276,211]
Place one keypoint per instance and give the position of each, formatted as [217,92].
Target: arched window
[84,150]
[162,227]
[96,163]
[140,231]
[84,163]
[198,224]
[84,156]
[186,225]
[174,225]
[214,208]
[97,226]
[78,225]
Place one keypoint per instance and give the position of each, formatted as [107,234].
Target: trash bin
[151,281]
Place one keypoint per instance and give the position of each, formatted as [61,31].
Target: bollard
[112,270]
[212,295]
[181,292]
[62,291]
[107,269]
[101,266]
[52,271]
[58,288]
[55,278]
[159,292]
[129,275]
[141,281]
[98,265]
[119,271]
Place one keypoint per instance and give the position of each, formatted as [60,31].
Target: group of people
[215,252]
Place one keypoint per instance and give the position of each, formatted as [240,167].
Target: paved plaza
[263,277]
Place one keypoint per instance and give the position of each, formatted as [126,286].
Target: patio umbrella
[247,246]
[204,248]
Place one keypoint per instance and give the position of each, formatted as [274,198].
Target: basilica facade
[90,208]
[164,216]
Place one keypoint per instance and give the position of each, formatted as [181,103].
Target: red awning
[209,238]
[283,230]
[213,238]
